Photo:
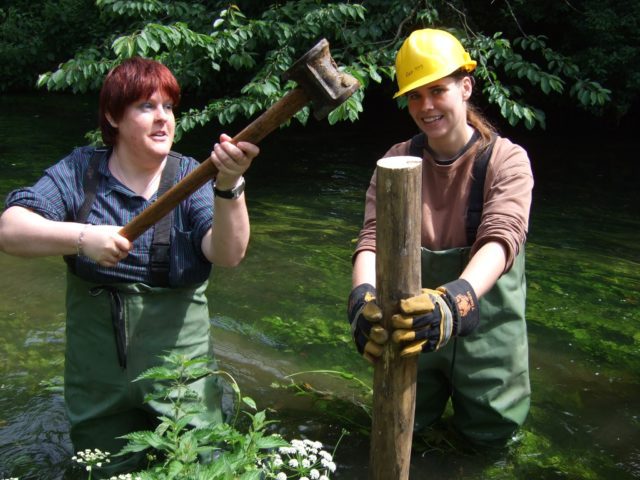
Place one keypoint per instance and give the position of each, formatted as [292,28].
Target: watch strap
[232,193]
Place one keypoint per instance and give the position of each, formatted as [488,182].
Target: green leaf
[271,441]
[157,373]
[250,402]
[142,440]
[374,75]
[175,468]
[251,475]
[142,44]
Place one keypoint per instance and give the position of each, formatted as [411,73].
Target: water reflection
[35,443]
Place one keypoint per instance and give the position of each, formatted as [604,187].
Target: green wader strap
[161,244]
[90,187]
[476,194]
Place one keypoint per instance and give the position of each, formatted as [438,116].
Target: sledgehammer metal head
[318,75]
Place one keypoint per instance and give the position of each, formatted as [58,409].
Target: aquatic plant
[230,452]
[243,450]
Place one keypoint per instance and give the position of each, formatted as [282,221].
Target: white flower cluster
[91,458]
[126,476]
[304,460]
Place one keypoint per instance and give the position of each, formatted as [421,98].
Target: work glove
[429,320]
[364,317]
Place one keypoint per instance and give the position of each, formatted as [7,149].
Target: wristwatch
[233,193]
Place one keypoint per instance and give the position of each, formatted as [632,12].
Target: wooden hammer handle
[262,126]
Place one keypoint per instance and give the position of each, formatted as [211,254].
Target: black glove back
[364,314]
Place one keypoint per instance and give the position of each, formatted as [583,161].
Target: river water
[281,312]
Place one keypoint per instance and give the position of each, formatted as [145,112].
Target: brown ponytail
[480,123]
[474,117]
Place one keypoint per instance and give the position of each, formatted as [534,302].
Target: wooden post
[398,275]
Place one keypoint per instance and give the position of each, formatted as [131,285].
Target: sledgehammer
[319,83]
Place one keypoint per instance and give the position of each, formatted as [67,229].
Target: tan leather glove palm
[427,321]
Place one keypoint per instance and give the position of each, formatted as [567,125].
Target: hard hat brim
[468,67]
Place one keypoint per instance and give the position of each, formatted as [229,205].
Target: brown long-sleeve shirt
[445,193]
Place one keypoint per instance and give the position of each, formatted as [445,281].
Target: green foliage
[227,451]
[36,35]
[179,444]
[240,52]
[545,69]
[601,36]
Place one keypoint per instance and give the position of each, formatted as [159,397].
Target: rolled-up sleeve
[508,193]
[55,193]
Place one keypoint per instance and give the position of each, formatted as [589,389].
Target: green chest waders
[486,373]
[115,332]
[102,400]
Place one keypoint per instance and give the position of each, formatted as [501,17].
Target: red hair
[134,79]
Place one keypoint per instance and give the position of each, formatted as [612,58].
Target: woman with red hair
[130,302]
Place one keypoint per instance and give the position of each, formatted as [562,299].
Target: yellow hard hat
[428,55]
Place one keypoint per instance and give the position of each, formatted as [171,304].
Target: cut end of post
[404,161]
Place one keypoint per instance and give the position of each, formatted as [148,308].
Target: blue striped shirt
[59,194]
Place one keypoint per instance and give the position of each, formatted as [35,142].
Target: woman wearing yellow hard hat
[476,197]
